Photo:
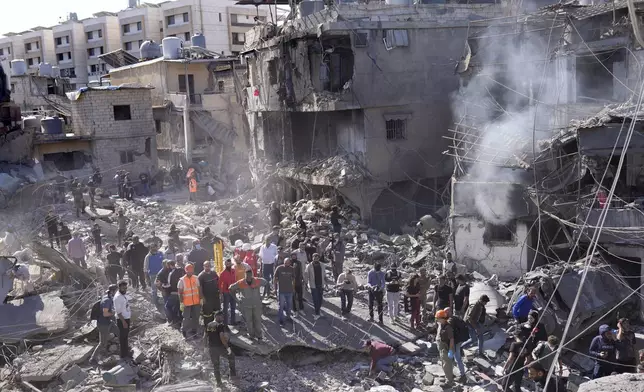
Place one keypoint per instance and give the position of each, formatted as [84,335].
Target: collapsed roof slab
[32,316]
[47,364]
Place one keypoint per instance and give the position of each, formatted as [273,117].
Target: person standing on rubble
[113,268]
[208,241]
[298,285]
[77,193]
[413,293]
[275,236]
[161,281]
[122,222]
[425,283]
[445,340]
[197,256]
[251,302]
[393,278]
[301,225]
[226,279]
[192,186]
[274,215]
[448,264]
[91,191]
[144,177]
[152,265]
[218,335]
[51,222]
[96,234]
[513,369]
[314,278]
[105,322]
[461,334]
[190,298]
[376,285]
[284,287]
[521,309]
[475,317]
[626,347]
[347,286]
[172,305]
[602,348]
[461,296]
[335,217]
[76,250]
[120,183]
[64,234]
[209,283]
[539,374]
[154,239]
[443,294]
[174,239]
[337,249]
[249,257]
[136,259]
[544,353]
[123,319]
[267,254]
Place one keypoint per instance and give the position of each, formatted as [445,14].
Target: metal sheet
[600,141]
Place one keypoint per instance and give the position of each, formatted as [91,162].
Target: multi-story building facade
[71,52]
[102,35]
[38,44]
[11,48]
[240,20]
[138,24]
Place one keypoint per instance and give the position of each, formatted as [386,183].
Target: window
[220,86]
[235,53]
[126,28]
[148,146]
[101,50]
[140,42]
[127,156]
[28,47]
[67,161]
[395,39]
[91,52]
[220,16]
[68,72]
[499,233]
[37,45]
[103,67]
[139,26]
[128,46]
[9,51]
[157,125]
[59,41]
[37,60]
[187,36]
[239,38]
[60,57]
[90,35]
[396,129]
[1,52]
[122,113]
[360,39]
[93,68]
[182,83]
[185,17]
[170,20]
[100,33]
[30,62]
[233,18]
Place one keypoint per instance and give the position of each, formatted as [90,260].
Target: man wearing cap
[226,279]
[445,340]
[123,318]
[251,302]
[190,298]
[105,322]
[218,335]
[197,256]
[152,265]
[209,283]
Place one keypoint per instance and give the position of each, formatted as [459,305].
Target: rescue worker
[218,335]
[209,283]
[226,279]
[190,299]
[251,302]
[238,248]
[240,269]
[152,265]
[192,187]
[105,322]
[445,339]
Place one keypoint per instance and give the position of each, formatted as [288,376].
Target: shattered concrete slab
[6,283]
[189,386]
[48,364]
[497,300]
[32,316]
[619,383]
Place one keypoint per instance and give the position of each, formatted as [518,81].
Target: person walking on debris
[314,278]
[513,369]
[335,219]
[192,184]
[120,183]
[544,353]
[413,293]
[97,177]
[209,283]
[113,268]
[376,285]
[51,223]
[347,286]
[197,256]
[174,239]
[284,287]
[152,265]
[190,297]
[626,347]
[521,309]
[539,374]
[461,334]
[154,239]
[172,306]
[135,261]
[425,284]
[145,183]
[275,236]
[337,250]
[393,278]
[218,335]
[301,225]
[208,241]
[91,191]
[274,215]
[226,279]
[105,322]
[382,356]
[461,296]
[64,234]
[162,283]
[251,302]
[122,222]
[445,340]
[532,331]
[475,317]
[602,348]
[76,250]
[448,264]
[298,285]
[96,234]
[124,319]
[443,294]
[267,254]
[77,193]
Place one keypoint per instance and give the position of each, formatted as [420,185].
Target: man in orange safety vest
[190,299]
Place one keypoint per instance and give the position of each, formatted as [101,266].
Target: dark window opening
[182,83]
[122,113]
[51,88]
[148,147]
[220,86]
[598,77]
[272,72]
[396,129]
[127,156]
[66,161]
[157,125]
[360,39]
[185,17]
[331,63]
[499,233]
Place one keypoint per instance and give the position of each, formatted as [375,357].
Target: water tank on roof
[52,125]
[150,50]
[44,69]
[198,40]
[18,67]
[31,122]
[55,71]
[171,47]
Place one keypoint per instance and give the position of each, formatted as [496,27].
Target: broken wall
[16,147]
[148,73]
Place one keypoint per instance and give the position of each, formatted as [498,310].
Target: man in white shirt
[123,315]
[267,254]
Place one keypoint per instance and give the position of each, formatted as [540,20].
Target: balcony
[622,225]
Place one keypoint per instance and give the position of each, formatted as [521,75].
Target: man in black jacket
[136,256]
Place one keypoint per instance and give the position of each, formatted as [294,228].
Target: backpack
[96,311]
[461,331]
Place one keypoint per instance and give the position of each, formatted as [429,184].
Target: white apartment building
[38,48]
[138,24]
[102,35]
[240,20]
[71,52]
[11,48]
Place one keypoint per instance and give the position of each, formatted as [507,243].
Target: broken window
[67,161]
[396,125]
[157,125]
[331,63]
[148,147]
[272,71]
[127,156]
[598,77]
[499,233]
[122,113]
[395,39]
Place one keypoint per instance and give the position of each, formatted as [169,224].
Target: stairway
[221,132]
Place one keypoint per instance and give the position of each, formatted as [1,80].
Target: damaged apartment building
[353,100]
[541,123]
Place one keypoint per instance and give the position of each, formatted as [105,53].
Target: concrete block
[409,348]
[428,379]
[435,369]
[74,374]
[483,364]
[48,363]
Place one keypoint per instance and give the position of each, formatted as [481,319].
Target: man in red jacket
[382,356]
[226,278]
